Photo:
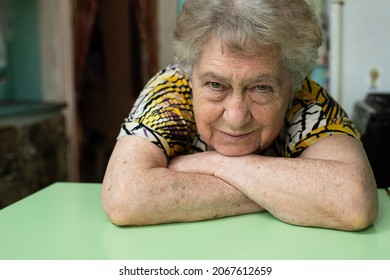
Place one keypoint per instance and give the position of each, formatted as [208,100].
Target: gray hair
[287,26]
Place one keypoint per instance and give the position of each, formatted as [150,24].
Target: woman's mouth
[232,136]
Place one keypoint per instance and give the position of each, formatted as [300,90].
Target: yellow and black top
[164,115]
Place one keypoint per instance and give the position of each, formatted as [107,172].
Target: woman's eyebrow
[265,78]
[210,75]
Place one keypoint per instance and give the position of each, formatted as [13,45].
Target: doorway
[115,54]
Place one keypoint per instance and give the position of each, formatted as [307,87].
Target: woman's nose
[236,113]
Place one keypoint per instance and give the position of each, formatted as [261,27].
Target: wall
[56,52]
[24,77]
[180,4]
[360,42]
[167,14]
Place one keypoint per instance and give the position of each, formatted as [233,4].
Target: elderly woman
[236,126]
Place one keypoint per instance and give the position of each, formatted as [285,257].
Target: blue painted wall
[179,6]
[24,69]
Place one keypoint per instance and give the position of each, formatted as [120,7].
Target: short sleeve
[313,115]
[163,113]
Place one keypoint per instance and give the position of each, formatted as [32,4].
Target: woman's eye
[263,87]
[262,94]
[215,85]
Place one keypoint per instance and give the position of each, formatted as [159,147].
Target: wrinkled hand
[201,163]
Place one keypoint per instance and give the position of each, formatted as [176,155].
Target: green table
[65,221]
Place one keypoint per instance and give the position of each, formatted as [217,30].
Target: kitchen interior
[70,71]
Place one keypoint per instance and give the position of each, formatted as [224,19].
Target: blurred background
[70,71]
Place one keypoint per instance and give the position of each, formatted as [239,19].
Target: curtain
[84,17]
[144,13]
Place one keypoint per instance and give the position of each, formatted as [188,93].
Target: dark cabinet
[372,117]
[32,154]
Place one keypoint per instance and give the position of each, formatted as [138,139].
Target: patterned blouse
[164,115]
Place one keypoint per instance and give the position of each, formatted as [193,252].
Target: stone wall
[32,156]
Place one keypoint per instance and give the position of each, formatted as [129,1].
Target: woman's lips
[235,136]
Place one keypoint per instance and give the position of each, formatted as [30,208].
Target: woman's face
[239,100]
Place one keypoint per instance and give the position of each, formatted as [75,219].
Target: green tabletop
[66,221]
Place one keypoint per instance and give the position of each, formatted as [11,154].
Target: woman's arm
[139,189]
[331,185]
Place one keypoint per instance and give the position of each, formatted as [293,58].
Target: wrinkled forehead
[251,51]
[220,63]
